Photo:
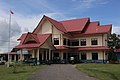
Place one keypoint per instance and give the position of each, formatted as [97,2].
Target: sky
[28,13]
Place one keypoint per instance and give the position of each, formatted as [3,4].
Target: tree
[113,44]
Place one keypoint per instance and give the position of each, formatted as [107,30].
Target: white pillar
[33,54]
[61,55]
[14,57]
[49,54]
[52,55]
[10,58]
[79,56]
[42,55]
[46,54]
[66,56]
[21,55]
[38,54]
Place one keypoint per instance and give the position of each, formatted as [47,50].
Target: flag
[11,12]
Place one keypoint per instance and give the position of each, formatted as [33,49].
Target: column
[46,54]
[52,54]
[14,57]
[42,54]
[38,54]
[33,54]
[66,56]
[61,55]
[10,57]
[79,56]
[21,55]
[49,54]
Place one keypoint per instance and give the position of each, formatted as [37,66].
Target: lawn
[101,71]
[22,72]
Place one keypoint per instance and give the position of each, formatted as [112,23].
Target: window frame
[82,42]
[94,41]
[56,39]
[94,57]
[84,56]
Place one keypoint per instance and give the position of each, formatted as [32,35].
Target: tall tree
[113,44]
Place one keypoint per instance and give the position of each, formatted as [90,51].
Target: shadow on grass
[105,72]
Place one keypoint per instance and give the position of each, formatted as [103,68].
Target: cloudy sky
[27,14]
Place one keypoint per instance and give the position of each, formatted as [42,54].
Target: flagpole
[9,41]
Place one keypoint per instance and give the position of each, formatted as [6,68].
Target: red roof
[82,25]
[75,24]
[40,37]
[57,24]
[94,28]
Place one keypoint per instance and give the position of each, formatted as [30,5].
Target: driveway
[59,72]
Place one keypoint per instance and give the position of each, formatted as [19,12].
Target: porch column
[79,56]
[10,58]
[52,55]
[14,57]
[21,55]
[49,54]
[46,54]
[66,56]
[38,54]
[33,54]
[42,55]
[61,54]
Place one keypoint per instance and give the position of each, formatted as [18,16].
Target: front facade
[80,39]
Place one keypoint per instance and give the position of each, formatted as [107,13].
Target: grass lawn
[22,72]
[101,71]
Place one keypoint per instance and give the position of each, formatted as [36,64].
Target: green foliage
[113,44]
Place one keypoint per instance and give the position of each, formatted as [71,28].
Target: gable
[47,27]
[29,39]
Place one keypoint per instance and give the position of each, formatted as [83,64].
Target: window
[64,41]
[75,42]
[94,41]
[68,43]
[83,56]
[94,56]
[56,41]
[83,42]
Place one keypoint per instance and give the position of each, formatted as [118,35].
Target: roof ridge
[74,19]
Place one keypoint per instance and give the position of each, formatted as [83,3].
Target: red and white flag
[11,12]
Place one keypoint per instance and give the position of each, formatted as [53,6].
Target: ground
[101,71]
[22,72]
[59,72]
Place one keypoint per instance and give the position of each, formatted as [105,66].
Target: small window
[83,56]
[94,56]
[83,42]
[56,41]
[64,41]
[94,41]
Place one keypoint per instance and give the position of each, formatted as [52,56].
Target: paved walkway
[59,72]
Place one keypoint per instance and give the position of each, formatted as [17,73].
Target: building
[13,56]
[78,38]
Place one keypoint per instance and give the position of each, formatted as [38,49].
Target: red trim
[82,48]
